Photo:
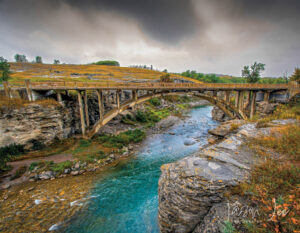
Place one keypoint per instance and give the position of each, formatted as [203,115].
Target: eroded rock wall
[192,190]
[35,123]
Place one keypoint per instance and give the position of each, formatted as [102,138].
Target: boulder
[218,115]
[46,175]
[225,128]
[167,122]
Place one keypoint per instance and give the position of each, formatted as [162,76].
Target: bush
[146,117]
[166,78]
[107,63]
[11,150]
[60,167]
[37,145]
[122,139]
[155,102]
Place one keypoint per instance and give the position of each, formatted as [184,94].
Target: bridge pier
[28,90]
[248,95]
[80,103]
[118,98]
[266,96]
[237,99]
[241,100]
[100,103]
[86,109]
[227,96]
[59,98]
[6,89]
[253,104]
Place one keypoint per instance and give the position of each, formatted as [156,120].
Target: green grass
[51,166]
[7,153]
[122,139]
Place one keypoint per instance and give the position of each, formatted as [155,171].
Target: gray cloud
[207,35]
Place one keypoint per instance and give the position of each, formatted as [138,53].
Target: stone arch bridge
[236,100]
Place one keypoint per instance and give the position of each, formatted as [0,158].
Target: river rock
[5,186]
[77,166]
[189,142]
[191,190]
[167,122]
[67,171]
[225,128]
[74,173]
[218,115]
[46,175]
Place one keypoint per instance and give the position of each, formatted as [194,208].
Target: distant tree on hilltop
[4,70]
[166,78]
[252,75]
[296,75]
[56,62]
[20,58]
[107,63]
[38,59]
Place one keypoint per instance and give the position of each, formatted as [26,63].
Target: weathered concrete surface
[191,190]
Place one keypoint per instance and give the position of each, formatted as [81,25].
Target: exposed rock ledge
[191,190]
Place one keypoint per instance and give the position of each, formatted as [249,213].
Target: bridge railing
[154,85]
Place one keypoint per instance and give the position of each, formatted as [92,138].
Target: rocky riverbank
[195,192]
[47,120]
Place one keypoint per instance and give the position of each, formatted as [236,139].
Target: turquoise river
[125,199]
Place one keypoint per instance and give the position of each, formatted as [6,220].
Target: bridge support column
[227,96]
[28,89]
[253,104]
[241,100]
[100,103]
[237,99]
[81,112]
[247,99]
[266,96]
[59,98]
[6,89]
[214,93]
[118,98]
[86,109]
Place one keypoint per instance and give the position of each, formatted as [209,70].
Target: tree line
[250,74]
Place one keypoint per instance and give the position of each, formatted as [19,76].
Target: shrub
[146,117]
[37,145]
[33,165]
[60,167]
[155,102]
[122,139]
[166,78]
[107,63]
[11,150]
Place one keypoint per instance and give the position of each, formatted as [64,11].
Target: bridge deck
[144,86]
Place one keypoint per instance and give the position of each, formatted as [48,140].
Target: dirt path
[5,179]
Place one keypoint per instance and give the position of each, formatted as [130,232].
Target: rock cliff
[35,123]
[192,190]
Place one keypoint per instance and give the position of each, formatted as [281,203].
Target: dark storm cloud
[205,35]
[166,20]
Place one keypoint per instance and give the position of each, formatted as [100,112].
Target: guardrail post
[86,108]
[253,104]
[100,103]
[6,89]
[28,89]
[81,112]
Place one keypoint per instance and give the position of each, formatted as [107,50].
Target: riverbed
[125,197]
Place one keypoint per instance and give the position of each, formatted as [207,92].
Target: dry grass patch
[275,182]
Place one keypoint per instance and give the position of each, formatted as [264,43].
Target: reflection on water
[125,199]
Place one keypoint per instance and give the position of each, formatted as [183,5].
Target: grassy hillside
[86,73]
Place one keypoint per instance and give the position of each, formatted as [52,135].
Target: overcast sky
[210,36]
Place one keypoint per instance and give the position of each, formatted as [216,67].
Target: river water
[125,198]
